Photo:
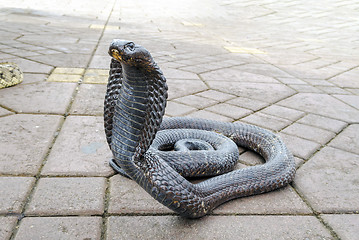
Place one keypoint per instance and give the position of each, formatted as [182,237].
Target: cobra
[137,132]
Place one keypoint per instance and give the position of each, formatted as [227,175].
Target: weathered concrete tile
[332,90]
[235,75]
[266,121]
[177,109]
[305,88]
[34,77]
[42,97]
[64,59]
[329,180]
[228,110]
[59,228]
[127,197]
[13,193]
[80,149]
[263,69]
[68,196]
[56,77]
[6,226]
[209,115]
[4,112]
[216,227]
[96,76]
[348,140]
[322,103]
[180,88]
[283,112]
[196,101]
[24,141]
[216,95]
[32,66]
[351,100]
[259,91]
[347,79]
[290,80]
[345,225]
[300,147]
[248,103]
[308,132]
[171,73]
[61,70]
[323,122]
[282,201]
[89,100]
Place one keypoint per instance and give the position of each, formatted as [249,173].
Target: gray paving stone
[59,228]
[304,88]
[80,149]
[329,180]
[89,100]
[216,227]
[6,226]
[258,91]
[13,193]
[300,147]
[209,115]
[177,109]
[4,112]
[266,121]
[216,95]
[24,141]
[40,97]
[248,103]
[171,73]
[308,132]
[283,201]
[181,88]
[234,75]
[64,59]
[283,112]
[34,77]
[348,140]
[349,99]
[345,225]
[322,104]
[28,66]
[68,196]
[263,69]
[347,79]
[323,122]
[127,197]
[196,101]
[228,110]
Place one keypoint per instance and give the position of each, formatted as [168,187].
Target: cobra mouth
[115,54]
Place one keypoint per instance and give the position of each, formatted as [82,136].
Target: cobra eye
[130,46]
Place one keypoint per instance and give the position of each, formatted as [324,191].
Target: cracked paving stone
[330,181]
[68,196]
[216,227]
[345,225]
[13,193]
[85,228]
[42,97]
[127,197]
[24,141]
[80,149]
[6,226]
[4,112]
[348,140]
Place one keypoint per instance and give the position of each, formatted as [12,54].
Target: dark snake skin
[134,107]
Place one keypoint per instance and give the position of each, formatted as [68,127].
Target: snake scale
[141,141]
[10,74]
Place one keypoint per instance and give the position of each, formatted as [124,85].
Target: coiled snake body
[134,107]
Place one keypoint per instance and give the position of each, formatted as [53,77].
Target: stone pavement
[290,66]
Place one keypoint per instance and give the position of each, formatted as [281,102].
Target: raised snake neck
[134,108]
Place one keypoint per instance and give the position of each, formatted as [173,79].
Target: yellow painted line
[244,50]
